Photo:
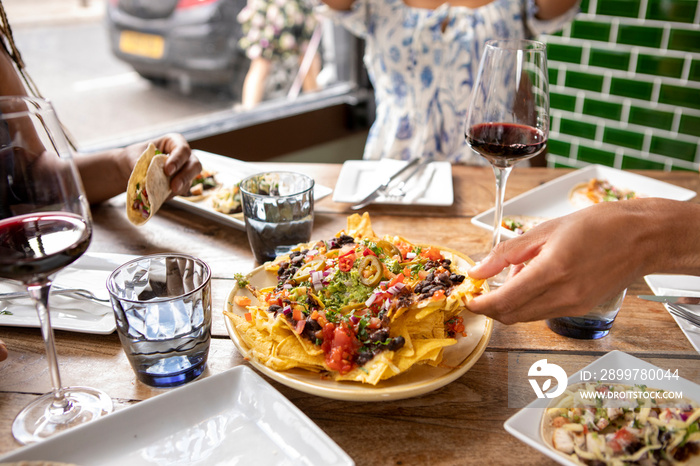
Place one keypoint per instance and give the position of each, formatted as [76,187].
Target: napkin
[691,332]
[71,313]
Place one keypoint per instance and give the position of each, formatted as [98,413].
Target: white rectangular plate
[525,424]
[231,418]
[551,199]
[76,315]
[432,186]
[678,285]
[229,172]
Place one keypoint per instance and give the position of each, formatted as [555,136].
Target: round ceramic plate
[418,380]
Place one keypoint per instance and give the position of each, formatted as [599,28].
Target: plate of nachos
[360,317]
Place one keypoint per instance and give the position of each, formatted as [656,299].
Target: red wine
[503,144]
[34,246]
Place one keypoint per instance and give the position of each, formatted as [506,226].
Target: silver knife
[671,299]
[382,187]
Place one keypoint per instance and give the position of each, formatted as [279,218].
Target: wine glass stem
[501,179]
[40,295]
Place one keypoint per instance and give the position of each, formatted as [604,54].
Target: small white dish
[231,418]
[678,285]
[551,199]
[431,186]
[229,172]
[89,272]
[525,424]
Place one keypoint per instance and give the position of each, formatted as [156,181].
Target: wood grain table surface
[461,423]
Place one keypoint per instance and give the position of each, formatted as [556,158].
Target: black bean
[379,335]
[396,343]
[274,308]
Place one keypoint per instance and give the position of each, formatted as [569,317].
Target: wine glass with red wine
[508,116]
[45,225]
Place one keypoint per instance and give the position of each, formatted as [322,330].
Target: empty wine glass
[508,116]
[45,225]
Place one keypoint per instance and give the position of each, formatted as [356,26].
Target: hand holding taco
[148,187]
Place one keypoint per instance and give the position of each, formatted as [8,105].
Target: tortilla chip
[149,172]
[360,227]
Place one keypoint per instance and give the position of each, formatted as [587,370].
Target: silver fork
[684,314]
[399,191]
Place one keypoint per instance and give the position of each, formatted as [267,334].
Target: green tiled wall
[625,85]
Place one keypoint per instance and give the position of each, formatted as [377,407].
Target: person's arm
[577,261]
[550,9]
[106,174]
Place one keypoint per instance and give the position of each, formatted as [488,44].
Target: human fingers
[511,252]
[178,150]
[181,182]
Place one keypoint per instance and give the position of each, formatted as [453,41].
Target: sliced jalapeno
[389,249]
[304,272]
[371,271]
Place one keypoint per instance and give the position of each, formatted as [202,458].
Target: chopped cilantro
[240,279]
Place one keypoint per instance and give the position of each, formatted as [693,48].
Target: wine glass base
[40,419]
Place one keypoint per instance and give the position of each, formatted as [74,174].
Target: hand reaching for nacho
[580,260]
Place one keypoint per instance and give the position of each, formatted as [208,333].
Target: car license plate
[145,45]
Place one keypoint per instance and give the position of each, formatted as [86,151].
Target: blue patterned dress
[422,75]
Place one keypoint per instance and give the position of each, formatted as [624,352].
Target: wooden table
[461,423]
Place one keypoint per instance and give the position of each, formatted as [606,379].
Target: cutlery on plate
[684,314]
[384,187]
[671,299]
[72,292]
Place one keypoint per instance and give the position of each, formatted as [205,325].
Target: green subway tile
[694,71]
[609,59]
[553,75]
[625,8]
[673,148]
[631,88]
[679,95]
[639,35]
[585,81]
[555,146]
[653,118]
[577,128]
[685,40]
[620,137]
[669,67]
[635,163]
[602,109]
[690,124]
[566,53]
[585,5]
[564,165]
[678,11]
[590,155]
[562,101]
[590,30]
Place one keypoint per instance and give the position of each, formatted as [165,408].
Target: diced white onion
[410,255]
[371,300]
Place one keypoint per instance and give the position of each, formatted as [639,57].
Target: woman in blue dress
[422,57]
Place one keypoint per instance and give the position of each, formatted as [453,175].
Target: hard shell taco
[148,188]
